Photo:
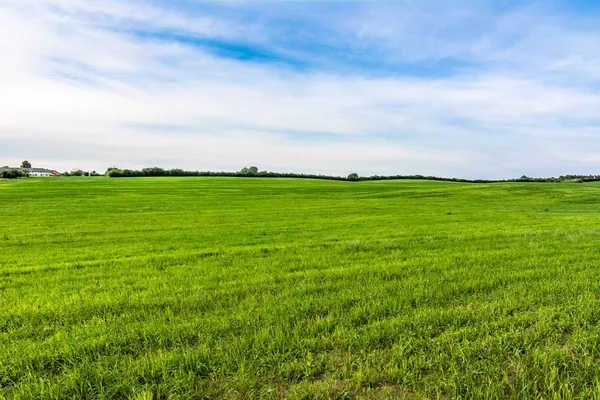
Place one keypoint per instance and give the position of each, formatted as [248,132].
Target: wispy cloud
[493,89]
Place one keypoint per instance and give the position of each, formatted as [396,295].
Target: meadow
[192,288]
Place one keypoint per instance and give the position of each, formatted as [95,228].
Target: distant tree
[249,171]
[14,174]
[77,172]
[112,171]
[25,164]
[154,171]
[176,172]
[353,177]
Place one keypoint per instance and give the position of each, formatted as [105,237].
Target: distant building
[33,172]
[42,172]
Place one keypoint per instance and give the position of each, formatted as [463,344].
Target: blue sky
[475,89]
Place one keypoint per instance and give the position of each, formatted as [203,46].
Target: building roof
[5,168]
[2,169]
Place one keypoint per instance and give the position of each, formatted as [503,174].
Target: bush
[14,174]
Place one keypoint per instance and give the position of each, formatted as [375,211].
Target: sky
[453,88]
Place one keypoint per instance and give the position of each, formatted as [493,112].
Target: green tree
[353,177]
[14,174]
[25,164]
[249,171]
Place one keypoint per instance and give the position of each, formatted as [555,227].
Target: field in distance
[183,288]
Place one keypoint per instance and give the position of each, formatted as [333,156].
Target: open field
[268,288]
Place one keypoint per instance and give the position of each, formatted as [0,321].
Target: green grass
[183,288]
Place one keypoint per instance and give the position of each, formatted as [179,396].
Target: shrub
[14,174]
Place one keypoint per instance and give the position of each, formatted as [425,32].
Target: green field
[185,288]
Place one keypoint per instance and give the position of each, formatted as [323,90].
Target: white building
[42,172]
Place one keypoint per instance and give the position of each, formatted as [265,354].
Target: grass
[183,288]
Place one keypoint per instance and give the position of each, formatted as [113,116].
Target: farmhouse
[42,172]
[33,172]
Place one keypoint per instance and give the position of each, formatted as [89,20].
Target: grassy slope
[231,287]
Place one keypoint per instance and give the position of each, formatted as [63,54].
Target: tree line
[79,172]
[244,172]
[254,172]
